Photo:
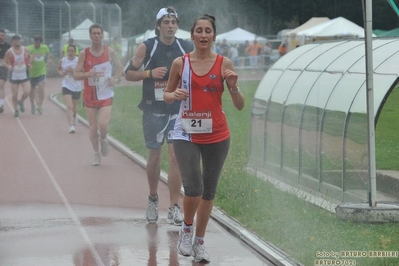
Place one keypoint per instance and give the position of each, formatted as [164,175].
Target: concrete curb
[267,250]
[383,212]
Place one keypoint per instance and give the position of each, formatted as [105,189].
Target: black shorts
[18,81]
[3,73]
[36,80]
[75,94]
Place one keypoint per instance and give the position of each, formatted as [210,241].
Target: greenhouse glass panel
[286,61]
[310,128]
[382,50]
[390,65]
[333,126]
[257,140]
[274,114]
[351,53]
[387,148]
[257,133]
[304,61]
[356,149]
[292,116]
[266,85]
[325,59]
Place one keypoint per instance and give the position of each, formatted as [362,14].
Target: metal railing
[250,63]
[55,21]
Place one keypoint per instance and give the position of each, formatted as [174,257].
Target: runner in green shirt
[40,58]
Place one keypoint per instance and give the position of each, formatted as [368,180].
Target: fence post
[16,17]
[94,12]
[43,31]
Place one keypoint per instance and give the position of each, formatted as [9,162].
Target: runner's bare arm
[231,79]
[132,69]
[171,92]
[59,69]
[28,54]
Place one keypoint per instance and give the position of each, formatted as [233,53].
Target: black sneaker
[1,109]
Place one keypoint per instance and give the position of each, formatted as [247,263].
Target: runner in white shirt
[71,88]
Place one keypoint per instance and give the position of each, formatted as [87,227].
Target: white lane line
[75,219]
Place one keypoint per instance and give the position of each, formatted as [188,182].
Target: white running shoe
[104,146]
[174,215]
[199,252]
[96,160]
[152,210]
[185,243]
[72,129]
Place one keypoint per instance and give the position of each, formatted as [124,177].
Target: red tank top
[205,100]
[96,88]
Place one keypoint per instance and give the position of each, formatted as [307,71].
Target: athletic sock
[154,197]
[199,240]
[187,226]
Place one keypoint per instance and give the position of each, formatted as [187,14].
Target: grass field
[304,231]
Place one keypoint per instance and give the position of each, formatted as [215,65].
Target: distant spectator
[242,54]
[234,54]
[218,50]
[117,47]
[268,51]
[282,49]
[65,48]
[253,50]
[225,49]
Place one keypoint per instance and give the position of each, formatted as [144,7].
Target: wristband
[235,92]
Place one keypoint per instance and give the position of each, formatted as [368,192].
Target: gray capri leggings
[196,181]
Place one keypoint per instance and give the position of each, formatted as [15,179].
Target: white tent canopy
[183,34]
[239,35]
[336,28]
[339,27]
[81,34]
[308,24]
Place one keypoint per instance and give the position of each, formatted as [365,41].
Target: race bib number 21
[197,121]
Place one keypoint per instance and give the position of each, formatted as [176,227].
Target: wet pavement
[49,234]
[57,209]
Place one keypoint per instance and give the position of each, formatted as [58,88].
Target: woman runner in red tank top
[201,137]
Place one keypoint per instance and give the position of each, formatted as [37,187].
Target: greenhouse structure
[309,123]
